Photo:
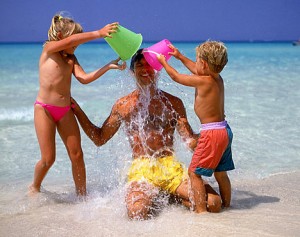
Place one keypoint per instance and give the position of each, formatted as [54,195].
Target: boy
[213,152]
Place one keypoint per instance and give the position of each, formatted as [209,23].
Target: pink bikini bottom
[57,112]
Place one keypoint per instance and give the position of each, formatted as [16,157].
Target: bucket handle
[150,51]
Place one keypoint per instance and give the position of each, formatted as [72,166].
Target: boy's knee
[192,174]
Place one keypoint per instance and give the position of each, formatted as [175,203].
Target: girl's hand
[107,30]
[114,64]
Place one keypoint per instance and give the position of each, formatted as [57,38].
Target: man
[151,117]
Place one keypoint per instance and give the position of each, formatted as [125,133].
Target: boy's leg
[198,192]
[45,130]
[69,131]
[224,187]
[213,198]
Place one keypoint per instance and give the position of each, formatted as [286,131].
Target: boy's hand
[161,58]
[175,52]
[107,30]
[114,64]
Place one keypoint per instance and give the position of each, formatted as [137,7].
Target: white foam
[268,207]
[17,114]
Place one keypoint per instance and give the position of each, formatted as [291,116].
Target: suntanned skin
[209,107]
[150,117]
[58,63]
[56,66]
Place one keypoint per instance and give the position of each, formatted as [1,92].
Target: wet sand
[265,207]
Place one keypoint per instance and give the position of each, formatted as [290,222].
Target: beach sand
[265,207]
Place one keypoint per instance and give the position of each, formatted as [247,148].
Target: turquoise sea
[262,84]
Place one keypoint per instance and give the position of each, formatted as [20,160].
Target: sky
[176,20]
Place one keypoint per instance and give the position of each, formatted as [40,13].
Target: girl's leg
[45,130]
[70,134]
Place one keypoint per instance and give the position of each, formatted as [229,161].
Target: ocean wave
[16,114]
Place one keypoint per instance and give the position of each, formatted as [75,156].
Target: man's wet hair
[135,58]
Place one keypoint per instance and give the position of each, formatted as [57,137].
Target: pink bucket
[151,53]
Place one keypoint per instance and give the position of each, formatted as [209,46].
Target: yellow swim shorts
[165,172]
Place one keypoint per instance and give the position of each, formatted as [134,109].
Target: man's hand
[114,64]
[75,107]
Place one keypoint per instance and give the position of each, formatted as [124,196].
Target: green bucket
[125,42]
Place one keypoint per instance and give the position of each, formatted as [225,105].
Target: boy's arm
[187,80]
[86,78]
[191,65]
[99,135]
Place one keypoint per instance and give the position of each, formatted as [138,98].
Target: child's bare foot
[32,191]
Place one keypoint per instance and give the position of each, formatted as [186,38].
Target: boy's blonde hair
[65,25]
[214,53]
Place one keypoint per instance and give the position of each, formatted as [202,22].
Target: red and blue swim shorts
[213,152]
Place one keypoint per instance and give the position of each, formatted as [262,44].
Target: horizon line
[173,41]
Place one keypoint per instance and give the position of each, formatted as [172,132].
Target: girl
[52,108]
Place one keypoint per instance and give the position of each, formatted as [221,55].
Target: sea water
[262,86]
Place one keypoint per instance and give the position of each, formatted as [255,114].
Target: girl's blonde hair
[65,25]
[214,53]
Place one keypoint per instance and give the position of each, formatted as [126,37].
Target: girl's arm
[80,38]
[86,78]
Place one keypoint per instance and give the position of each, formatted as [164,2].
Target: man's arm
[183,127]
[99,135]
